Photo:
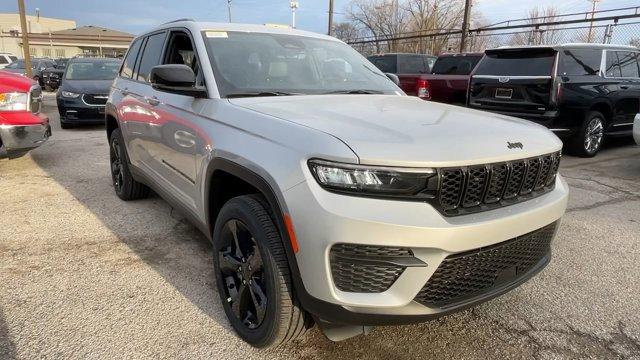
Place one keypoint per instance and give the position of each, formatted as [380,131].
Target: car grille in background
[483,187]
[35,99]
[368,269]
[462,277]
[94,99]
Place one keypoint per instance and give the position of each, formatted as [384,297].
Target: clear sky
[135,16]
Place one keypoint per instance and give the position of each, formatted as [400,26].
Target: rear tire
[126,187]
[588,141]
[259,302]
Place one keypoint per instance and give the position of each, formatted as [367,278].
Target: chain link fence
[627,33]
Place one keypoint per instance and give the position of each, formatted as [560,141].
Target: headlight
[69,94]
[371,180]
[14,101]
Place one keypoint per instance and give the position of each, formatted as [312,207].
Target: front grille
[94,99]
[367,269]
[483,187]
[462,277]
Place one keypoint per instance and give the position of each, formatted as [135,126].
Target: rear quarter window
[517,63]
[130,60]
[580,62]
[455,65]
[628,63]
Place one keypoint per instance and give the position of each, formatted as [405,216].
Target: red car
[22,126]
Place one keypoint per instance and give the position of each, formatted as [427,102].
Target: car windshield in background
[276,64]
[61,63]
[455,65]
[92,70]
[538,62]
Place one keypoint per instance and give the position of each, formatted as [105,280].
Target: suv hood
[406,131]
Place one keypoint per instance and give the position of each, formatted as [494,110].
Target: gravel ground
[85,275]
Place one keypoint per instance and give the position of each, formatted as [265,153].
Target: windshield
[529,62]
[92,70]
[246,63]
[61,63]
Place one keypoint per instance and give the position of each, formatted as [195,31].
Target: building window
[33,52]
[46,52]
[60,53]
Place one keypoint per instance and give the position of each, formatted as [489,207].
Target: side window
[628,64]
[151,55]
[180,51]
[613,67]
[3,60]
[386,64]
[130,60]
[412,64]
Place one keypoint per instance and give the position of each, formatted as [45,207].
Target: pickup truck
[22,126]
[448,81]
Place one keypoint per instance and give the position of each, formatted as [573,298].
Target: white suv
[328,194]
[6,59]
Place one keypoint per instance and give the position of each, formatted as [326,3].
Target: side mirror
[394,78]
[177,79]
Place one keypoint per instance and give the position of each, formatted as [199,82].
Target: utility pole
[294,6]
[465,25]
[593,11]
[25,39]
[330,32]
[229,9]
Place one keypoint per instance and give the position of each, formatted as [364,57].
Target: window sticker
[216,34]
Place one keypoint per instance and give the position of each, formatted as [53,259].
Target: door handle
[152,101]
[624,87]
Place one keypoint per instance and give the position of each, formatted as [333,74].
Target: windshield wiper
[354,91]
[260,93]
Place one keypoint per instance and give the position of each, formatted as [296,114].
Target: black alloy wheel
[243,274]
[253,276]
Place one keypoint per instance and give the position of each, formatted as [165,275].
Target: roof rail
[178,20]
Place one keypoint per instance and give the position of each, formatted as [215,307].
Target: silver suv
[330,197]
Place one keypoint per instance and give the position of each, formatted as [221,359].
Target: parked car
[448,81]
[52,76]
[582,92]
[636,129]
[22,126]
[6,59]
[84,90]
[37,66]
[329,195]
[403,64]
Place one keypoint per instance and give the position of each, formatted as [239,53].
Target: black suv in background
[582,92]
[51,76]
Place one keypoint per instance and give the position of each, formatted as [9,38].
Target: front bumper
[76,111]
[323,219]
[18,139]
[636,129]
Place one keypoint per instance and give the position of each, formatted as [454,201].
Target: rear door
[623,67]
[514,81]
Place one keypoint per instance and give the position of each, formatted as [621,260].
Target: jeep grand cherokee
[328,194]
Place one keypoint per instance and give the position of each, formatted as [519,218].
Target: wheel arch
[255,183]
[605,108]
[111,123]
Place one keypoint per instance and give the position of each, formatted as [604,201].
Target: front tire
[588,141]
[126,187]
[252,275]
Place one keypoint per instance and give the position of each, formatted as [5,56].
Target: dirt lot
[85,275]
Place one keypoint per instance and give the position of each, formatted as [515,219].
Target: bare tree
[346,31]
[540,33]
[381,19]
